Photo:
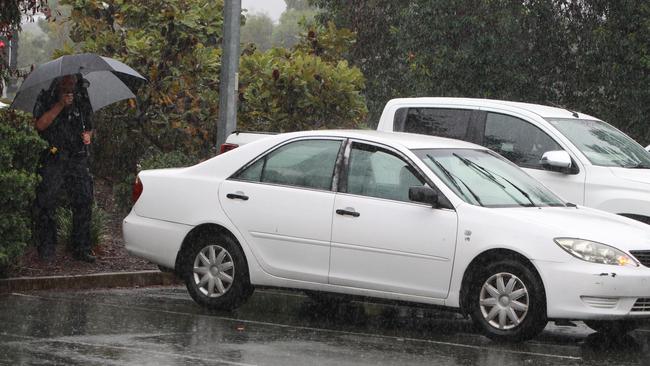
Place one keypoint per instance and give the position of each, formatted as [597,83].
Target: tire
[215,272]
[612,327]
[512,318]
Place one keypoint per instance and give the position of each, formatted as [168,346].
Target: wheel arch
[205,229]
[481,260]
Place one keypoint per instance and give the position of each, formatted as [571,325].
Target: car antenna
[556,105]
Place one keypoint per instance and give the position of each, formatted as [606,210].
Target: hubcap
[213,270]
[504,301]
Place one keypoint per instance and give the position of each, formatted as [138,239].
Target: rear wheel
[612,327]
[507,302]
[215,272]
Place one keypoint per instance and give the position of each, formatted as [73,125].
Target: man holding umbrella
[63,118]
[63,94]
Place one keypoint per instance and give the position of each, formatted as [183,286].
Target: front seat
[407,180]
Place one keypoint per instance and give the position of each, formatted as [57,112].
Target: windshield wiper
[491,177]
[639,165]
[451,178]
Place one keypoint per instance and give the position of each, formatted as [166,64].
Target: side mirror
[647,148]
[424,195]
[558,161]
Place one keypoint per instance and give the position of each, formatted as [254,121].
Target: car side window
[304,163]
[376,172]
[444,122]
[517,140]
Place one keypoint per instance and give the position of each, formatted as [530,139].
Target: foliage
[284,90]
[11,15]
[377,52]
[258,30]
[14,10]
[98,229]
[151,160]
[589,55]
[288,31]
[38,41]
[20,146]
[298,4]
[173,44]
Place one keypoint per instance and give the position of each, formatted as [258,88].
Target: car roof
[407,140]
[541,110]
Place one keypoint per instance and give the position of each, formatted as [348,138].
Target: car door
[380,239]
[282,204]
[524,144]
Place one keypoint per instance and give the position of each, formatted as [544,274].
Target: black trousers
[70,172]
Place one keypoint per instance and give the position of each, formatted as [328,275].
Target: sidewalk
[89,281]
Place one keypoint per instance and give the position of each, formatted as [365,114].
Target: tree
[257,29]
[377,51]
[176,45]
[20,146]
[309,87]
[589,55]
[10,20]
[298,5]
[287,32]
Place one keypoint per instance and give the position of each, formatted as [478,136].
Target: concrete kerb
[97,280]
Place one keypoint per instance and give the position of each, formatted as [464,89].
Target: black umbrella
[109,80]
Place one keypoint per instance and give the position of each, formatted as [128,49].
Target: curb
[97,280]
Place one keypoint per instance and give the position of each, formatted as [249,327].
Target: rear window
[452,123]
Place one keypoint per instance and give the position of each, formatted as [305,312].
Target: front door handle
[348,213]
[237,196]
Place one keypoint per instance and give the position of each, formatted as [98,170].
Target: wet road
[163,326]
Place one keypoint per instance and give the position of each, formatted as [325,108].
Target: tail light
[227,147]
[137,189]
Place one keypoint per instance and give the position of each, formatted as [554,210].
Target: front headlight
[594,252]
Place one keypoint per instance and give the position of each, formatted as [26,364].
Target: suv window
[304,163]
[376,172]
[517,140]
[442,122]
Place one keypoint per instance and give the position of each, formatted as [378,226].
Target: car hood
[584,223]
[634,175]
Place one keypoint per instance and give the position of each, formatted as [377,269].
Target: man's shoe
[86,257]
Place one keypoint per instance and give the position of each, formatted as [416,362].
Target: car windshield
[483,178]
[603,144]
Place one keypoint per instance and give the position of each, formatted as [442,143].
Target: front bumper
[581,290]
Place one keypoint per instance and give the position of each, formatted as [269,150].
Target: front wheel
[612,327]
[215,273]
[507,302]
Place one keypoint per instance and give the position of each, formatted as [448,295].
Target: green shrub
[20,147]
[157,160]
[98,230]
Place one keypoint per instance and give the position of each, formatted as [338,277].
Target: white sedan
[394,216]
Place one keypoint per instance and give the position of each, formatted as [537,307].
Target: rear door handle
[237,196]
[348,213]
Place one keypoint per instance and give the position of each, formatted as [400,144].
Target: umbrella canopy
[109,80]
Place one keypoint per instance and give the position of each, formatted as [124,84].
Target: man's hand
[86,137]
[66,99]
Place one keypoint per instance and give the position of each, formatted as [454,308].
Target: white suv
[581,158]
